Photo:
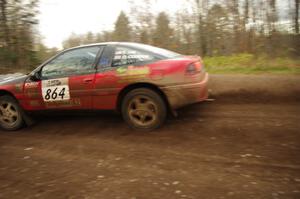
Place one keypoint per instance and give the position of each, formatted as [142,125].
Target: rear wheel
[10,113]
[144,109]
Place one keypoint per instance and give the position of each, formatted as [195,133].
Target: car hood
[12,78]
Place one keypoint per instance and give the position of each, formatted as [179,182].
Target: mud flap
[27,119]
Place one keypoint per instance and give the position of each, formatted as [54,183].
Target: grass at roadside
[248,64]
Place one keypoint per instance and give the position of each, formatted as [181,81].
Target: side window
[74,62]
[128,56]
[106,57]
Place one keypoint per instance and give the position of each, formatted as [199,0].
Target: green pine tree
[122,28]
[163,34]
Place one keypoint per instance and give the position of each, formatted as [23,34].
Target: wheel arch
[5,92]
[133,86]
[26,118]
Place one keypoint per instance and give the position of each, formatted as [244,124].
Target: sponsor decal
[121,70]
[32,89]
[56,90]
[133,71]
[55,82]
[66,103]
[29,85]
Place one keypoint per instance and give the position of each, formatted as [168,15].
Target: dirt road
[237,146]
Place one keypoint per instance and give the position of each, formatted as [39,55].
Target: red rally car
[142,82]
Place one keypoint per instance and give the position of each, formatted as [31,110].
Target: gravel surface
[242,144]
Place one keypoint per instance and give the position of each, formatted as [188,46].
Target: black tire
[11,117]
[149,104]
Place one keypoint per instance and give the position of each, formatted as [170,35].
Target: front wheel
[144,109]
[10,114]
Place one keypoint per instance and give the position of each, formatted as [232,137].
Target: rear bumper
[184,94]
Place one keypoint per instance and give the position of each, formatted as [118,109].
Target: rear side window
[128,56]
[106,57]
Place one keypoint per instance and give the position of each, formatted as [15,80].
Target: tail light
[193,68]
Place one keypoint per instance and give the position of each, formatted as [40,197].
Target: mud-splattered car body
[110,74]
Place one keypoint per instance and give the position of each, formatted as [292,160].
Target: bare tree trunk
[202,6]
[246,12]
[246,32]
[233,8]
[297,16]
[3,20]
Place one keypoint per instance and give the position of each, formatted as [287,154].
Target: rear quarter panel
[109,82]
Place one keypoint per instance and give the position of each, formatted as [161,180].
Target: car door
[118,66]
[66,82]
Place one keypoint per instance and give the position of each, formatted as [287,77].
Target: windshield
[159,51]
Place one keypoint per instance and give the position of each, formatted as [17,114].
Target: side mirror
[35,76]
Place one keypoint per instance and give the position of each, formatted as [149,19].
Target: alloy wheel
[142,110]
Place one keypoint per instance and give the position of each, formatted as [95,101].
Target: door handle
[87,81]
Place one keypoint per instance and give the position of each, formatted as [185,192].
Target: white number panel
[55,89]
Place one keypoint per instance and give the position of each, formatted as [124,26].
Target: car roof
[134,45]
[104,44]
